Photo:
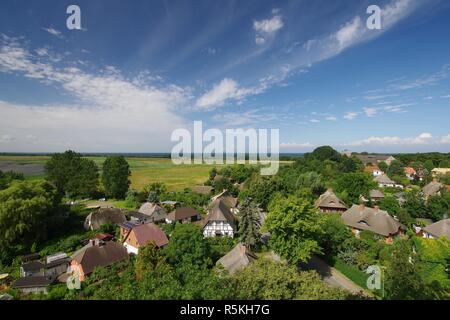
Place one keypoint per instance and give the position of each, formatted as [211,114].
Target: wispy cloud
[423,138]
[350,115]
[113,109]
[54,32]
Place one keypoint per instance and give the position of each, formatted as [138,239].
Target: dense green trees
[25,210]
[249,225]
[6,178]
[352,185]
[187,246]
[294,225]
[115,177]
[72,175]
[266,279]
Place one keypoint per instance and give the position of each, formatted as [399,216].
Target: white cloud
[54,32]
[445,139]
[350,115]
[113,113]
[426,80]
[331,118]
[295,145]
[6,138]
[314,120]
[446,97]
[267,28]
[370,112]
[423,138]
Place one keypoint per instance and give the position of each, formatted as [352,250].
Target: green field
[143,171]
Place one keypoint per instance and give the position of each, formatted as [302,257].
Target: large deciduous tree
[115,177]
[72,175]
[294,225]
[25,209]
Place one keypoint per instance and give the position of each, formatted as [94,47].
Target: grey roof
[32,282]
[376,194]
[383,179]
[32,266]
[203,189]
[220,212]
[104,216]
[153,210]
[237,259]
[330,200]
[372,219]
[373,158]
[432,188]
[439,229]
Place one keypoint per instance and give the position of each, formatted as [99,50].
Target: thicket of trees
[73,175]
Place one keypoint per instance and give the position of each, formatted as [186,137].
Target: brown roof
[372,219]
[373,158]
[376,194]
[439,229]
[149,232]
[220,212]
[203,189]
[237,259]
[432,188]
[371,169]
[227,198]
[383,179]
[99,254]
[182,213]
[330,200]
[104,216]
[410,170]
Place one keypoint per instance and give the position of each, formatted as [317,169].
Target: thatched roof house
[438,229]
[360,217]
[104,216]
[329,202]
[432,189]
[154,211]
[220,220]
[237,259]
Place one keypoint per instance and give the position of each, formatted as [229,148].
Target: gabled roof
[373,158]
[99,254]
[150,208]
[149,232]
[32,282]
[372,219]
[376,194]
[439,229]
[182,213]
[384,179]
[220,212]
[432,188]
[410,170]
[32,266]
[227,198]
[371,169]
[330,200]
[237,259]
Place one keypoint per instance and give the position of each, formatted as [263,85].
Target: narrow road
[332,276]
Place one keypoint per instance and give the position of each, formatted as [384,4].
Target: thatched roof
[432,188]
[104,216]
[237,259]
[206,190]
[330,200]
[153,210]
[372,219]
[220,212]
[376,194]
[384,179]
[227,198]
[439,229]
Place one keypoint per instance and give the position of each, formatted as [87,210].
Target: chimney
[243,249]
[362,206]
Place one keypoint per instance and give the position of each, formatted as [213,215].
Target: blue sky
[138,70]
